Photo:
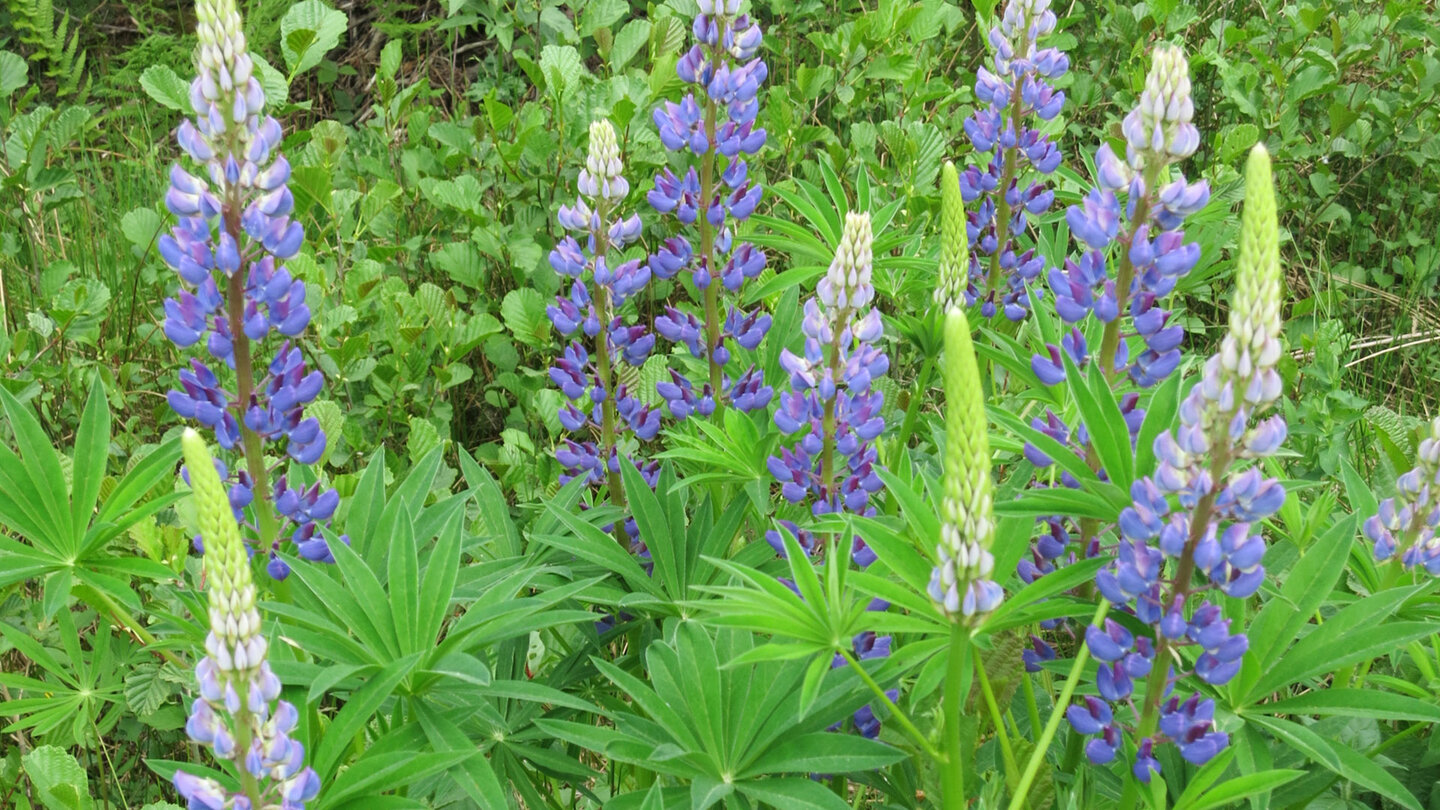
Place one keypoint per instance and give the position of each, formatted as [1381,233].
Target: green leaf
[59,781]
[524,313]
[92,443]
[823,752]
[1341,759]
[13,72]
[164,87]
[561,67]
[628,43]
[308,31]
[794,794]
[1242,787]
[1356,703]
[356,714]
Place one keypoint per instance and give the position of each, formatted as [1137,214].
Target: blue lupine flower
[837,414]
[598,403]
[1007,192]
[1208,527]
[239,694]
[716,123]
[1152,254]
[233,235]
[1408,523]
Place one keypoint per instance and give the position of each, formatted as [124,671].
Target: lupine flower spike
[238,716]
[716,123]
[1210,528]
[1151,252]
[950,289]
[1151,256]
[835,410]
[1009,187]
[233,234]
[1407,527]
[961,583]
[600,408]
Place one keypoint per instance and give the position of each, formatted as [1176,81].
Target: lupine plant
[587,375]
[1091,568]
[238,716]
[1209,531]
[234,232]
[1150,251]
[1009,187]
[1158,133]
[715,126]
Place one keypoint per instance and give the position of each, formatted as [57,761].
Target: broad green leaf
[59,781]
[1341,759]
[824,752]
[1242,787]
[1355,703]
[308,31]
[13,70]
[164,87]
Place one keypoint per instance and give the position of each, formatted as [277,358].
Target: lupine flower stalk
[1210,527]
[1001,192]
[1152,254]
[961,583]
[587,375]
[835,410]
[1407,527]
[951,286]
[233,234]
[831,403]
[238,717]
[716,124]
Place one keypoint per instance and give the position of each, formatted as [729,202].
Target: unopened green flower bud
[847,284]
[1252,348]
[602,176]
[954,242]
[961,582]
[234,642]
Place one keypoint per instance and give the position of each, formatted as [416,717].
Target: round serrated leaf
[162,85]
[308,31]
[13,72]
[524,314]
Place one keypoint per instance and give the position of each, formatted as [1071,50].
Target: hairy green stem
[900,716]
[1007,753]
[1042,745]
[952,774]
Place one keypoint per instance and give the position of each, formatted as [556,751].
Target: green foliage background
[427,138]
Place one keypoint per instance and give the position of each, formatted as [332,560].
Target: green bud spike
[1256,311]
[954,242]
[235,642]
[968,505]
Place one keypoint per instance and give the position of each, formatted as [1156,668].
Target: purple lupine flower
[598,404]
[239,700]
[1150,252]
[1200,510]
[1150,257]
[228,247]
[716,122]
[831,403]
[1407,525]
[836,413]
[1008,187]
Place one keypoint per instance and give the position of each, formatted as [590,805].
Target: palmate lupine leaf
[64,536]
[725,723]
